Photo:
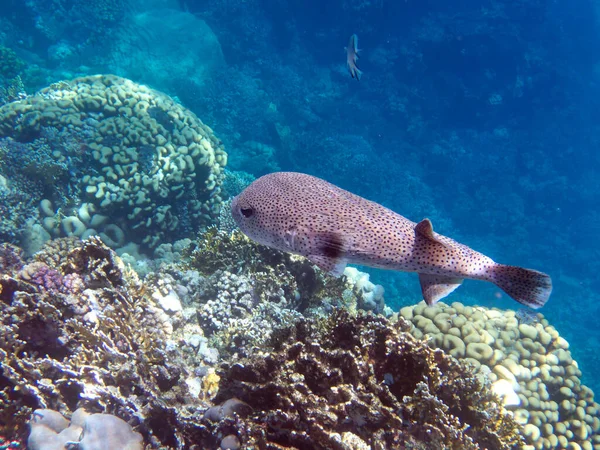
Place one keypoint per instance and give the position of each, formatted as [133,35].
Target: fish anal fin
[436,287]
[334,266]
[425,229]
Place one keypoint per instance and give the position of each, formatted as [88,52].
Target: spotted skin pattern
[305,215]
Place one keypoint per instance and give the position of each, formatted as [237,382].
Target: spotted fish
[305,215]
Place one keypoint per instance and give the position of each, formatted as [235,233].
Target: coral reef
[83,22]
[81,222]
[235,182]
[299,283]
[370,295]
[11,65]
[242,291]
[240,312]
[529,364]
[225,222]
[79,330]
[255,157]
[152,161]
[360,382]
[37,162]
[16,207]
[11,90]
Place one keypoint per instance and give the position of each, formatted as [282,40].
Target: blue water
[481,115]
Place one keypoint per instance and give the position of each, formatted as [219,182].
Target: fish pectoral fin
[425,229]
[329,252]
[436,287]
[330,244]
[334,266]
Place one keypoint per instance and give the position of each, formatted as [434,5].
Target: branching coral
[302,284]
[362,380]
[78,330]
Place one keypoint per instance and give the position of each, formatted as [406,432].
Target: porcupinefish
[352,57]
[302,214]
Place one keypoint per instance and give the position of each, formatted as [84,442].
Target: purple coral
[43,276]
[72,283]
[51,280]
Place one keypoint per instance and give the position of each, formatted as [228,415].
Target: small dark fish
[301,214]
[352,57]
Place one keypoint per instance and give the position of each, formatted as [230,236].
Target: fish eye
[247,212]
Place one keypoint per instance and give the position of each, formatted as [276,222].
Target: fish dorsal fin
[436,287]
[425,229]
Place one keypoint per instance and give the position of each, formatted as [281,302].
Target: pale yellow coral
[529,364]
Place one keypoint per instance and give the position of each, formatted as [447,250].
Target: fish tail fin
[529,287]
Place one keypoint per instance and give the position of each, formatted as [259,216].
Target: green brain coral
[145,160]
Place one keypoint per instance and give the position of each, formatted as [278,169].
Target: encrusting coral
[49,430]
[143,159]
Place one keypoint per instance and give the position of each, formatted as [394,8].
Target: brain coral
[529,364]
[144,158]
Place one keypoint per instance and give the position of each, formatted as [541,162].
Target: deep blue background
[481,115]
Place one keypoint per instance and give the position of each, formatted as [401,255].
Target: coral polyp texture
[527,361]
[140,157]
